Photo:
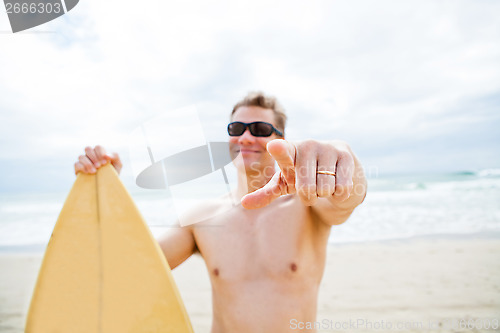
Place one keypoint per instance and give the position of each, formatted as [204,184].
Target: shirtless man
[265,257]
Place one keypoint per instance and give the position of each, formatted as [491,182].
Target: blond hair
[267,102]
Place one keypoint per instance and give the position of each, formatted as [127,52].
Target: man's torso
[265,265]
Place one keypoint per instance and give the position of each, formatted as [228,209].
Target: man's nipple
[293,267]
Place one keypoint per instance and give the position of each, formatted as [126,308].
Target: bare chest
[281,241]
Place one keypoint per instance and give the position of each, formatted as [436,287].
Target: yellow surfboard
[103,271]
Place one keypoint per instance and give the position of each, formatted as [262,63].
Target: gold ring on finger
[329,173]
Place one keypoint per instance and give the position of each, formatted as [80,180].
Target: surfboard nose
[26,14]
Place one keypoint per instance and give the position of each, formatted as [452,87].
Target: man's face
[252,149]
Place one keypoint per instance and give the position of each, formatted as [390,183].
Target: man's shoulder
[208,210]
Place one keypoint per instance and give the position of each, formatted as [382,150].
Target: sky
[412,86]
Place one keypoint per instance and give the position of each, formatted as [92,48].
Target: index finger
[265,195]
[284,153]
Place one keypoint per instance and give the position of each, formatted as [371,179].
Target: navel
[293,267]
[216,272]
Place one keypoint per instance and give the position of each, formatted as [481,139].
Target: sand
[419,285]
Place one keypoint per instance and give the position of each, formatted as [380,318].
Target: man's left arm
[325,175]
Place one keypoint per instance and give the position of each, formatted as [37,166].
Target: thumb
[284,153]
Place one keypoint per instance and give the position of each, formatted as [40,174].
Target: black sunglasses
[257,128]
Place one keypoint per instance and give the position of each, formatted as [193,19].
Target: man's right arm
[177,245]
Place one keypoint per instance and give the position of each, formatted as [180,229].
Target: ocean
[396,207]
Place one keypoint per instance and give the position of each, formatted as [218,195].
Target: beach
[433,284]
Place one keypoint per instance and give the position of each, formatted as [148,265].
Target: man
[266,257]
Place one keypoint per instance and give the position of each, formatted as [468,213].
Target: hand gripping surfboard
[103,271]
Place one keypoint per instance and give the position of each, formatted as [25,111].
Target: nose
[246,137]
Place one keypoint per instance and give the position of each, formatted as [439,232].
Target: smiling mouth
[246,151]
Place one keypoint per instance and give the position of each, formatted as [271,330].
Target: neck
[248,182]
